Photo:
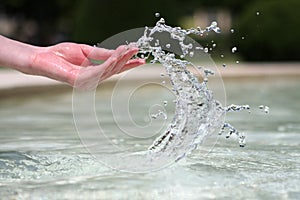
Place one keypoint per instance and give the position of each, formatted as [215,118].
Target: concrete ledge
[13,82]
[260,70]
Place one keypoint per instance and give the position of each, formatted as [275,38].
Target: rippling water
[41,155]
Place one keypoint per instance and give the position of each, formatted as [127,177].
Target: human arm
[67,62]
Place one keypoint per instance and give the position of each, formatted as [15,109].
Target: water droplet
[223,65]
[157,14]
[168,45]
[232,30]
[243,38]
[165,103]
[217,30]
[163,82]
[237,62]
[162,74]
[208,72]
[206,50]
[214,24]
[160,113]
[191,54]
[214,45]
[156,43]
[234,107]
[234,49]
[222,56]
[266,109]
[161,21]
[257,13]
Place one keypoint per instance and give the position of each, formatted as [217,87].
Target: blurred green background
[263,30]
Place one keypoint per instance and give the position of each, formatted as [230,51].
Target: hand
[72,63]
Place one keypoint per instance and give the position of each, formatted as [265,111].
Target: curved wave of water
[197,113]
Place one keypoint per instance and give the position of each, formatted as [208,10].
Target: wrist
[32,66]
[17,55]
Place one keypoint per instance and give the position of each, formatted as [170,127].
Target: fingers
[132,64]
[112,61]
[96,53]
[121,57]
[118,62]
[107,68]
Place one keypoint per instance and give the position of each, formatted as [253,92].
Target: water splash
[232,130]
[197,113]
[235,108]
[160,113]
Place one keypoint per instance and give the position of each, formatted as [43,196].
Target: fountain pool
[41,156]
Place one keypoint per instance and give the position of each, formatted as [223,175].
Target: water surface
[41,155]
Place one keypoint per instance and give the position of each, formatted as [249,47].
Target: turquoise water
[41,156]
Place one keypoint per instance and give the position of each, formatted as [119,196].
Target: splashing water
[197,113]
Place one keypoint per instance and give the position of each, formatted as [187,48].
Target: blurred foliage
[97,20]
[51,17]
[272,35]
[271,30]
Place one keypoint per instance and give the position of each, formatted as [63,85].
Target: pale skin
[68,62]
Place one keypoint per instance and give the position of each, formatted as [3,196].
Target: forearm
[17,55]
[64,61]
